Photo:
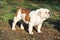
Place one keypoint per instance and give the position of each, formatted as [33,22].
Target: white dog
[34,18]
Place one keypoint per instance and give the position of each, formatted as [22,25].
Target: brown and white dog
[36,17]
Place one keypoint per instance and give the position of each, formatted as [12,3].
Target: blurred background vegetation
[8,7]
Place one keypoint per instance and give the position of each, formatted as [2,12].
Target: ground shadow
[10,22]
[55,22]
[19,24]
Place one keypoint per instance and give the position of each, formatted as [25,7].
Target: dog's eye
[46,12]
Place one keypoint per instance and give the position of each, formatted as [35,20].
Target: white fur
[37,17]
[22,26]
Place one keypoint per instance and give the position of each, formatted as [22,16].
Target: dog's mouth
[45,16]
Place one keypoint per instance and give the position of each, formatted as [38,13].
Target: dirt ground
[6,33]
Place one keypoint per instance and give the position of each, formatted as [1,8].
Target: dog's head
[43,13]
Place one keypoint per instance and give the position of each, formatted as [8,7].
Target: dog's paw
[22,26]
[31,33]
[13,29]
[40,32]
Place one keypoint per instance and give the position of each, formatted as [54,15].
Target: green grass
[7,8]
[7,16]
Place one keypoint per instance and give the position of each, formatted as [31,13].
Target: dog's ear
[39,13]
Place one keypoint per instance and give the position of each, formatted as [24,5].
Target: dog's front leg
[30,28]
[39,28]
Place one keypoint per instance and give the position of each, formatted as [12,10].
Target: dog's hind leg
[16,19]
[22,26]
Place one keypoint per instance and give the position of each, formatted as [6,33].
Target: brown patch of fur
[24,11]
[27,18]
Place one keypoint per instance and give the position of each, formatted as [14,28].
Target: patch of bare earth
[6,33]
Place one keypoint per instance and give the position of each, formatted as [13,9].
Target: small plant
[6,17]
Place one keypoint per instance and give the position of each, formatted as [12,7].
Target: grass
[8,8]
[7,16]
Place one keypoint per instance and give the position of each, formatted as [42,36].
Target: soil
[6,33]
